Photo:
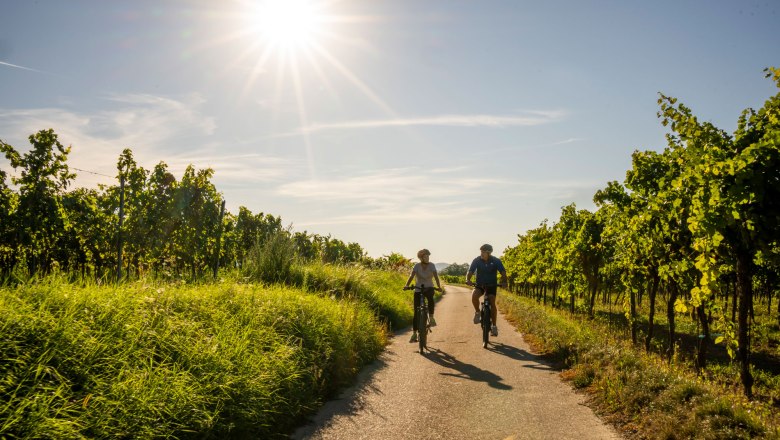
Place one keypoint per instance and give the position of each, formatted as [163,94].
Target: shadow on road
[352,400]
[466,371]
[521,355]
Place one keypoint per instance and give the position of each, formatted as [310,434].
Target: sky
[396,124]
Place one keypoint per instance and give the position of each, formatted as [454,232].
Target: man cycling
[486,267]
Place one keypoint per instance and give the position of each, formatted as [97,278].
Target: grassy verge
[380,290]
[224,360]
[643,395]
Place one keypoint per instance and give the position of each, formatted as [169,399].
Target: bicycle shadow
[464,370]
[521,355]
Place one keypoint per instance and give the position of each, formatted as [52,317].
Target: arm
[470,273]
[411,277]
[436,277]
[502,271]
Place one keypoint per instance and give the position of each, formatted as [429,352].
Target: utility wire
[91,172]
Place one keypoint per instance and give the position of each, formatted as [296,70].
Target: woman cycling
[425,272]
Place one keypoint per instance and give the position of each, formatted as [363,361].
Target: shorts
[490,290]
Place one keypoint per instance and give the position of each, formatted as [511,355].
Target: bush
[453,279]
[273,260]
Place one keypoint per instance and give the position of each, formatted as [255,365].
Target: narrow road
[458,390]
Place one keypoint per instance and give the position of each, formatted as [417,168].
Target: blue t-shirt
[487,271]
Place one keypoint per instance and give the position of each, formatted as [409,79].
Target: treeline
[161,225]
[697,223]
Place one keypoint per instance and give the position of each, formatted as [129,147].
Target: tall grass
[150,360]
[380,290]
[640,392]
[276,261]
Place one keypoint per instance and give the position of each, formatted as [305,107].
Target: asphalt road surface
[458,390]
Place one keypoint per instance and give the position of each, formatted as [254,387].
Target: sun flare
[288,24]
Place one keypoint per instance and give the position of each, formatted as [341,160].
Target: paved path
[458,390]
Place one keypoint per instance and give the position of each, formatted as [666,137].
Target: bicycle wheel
[422,327]
[485,326]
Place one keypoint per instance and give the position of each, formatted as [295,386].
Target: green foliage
[39,219]
[170,228]
[272,261]
[696,222]
[453,279]
[394,262]
[153,360]
[379,289]
[455,269]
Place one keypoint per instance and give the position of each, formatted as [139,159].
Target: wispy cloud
[564,142]
[239,170]
[392,195]
[156,128]
[530,118]
[15,66]
[443,120]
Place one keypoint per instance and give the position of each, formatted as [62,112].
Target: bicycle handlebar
[415,288]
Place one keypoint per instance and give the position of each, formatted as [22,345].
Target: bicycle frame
[485,318]
[423,323]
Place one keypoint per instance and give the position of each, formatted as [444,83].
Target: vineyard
[683,256]
[148,223]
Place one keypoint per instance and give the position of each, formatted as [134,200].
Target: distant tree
[306,248]
[455,269]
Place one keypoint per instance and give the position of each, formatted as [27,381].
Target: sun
[288,24]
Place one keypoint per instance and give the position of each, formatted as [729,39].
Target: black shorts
[490,290]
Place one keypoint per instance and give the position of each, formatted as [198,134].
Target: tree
[736,203]
[8,244]
[39,218]
[455,269]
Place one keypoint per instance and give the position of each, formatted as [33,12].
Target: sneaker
[494,331]
[476,318]
[414,337]
[431,321]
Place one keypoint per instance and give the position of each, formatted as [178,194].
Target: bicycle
[485,316]
[423,323]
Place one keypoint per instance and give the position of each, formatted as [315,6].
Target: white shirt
[424,275]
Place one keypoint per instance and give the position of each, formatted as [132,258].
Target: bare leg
[475,299]
[493,308]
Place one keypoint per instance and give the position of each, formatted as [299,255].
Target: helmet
[486,247]
[422,252]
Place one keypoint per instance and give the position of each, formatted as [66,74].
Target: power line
[91,172]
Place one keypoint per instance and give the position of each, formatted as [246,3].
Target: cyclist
[486,267]
[425,272]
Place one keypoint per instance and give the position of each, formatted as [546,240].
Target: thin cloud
[16,66]
[416,214]
[531,118]
[565,141]
[392,195]
[495,121]
[155,128]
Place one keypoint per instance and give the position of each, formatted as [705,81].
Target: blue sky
[397,124]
